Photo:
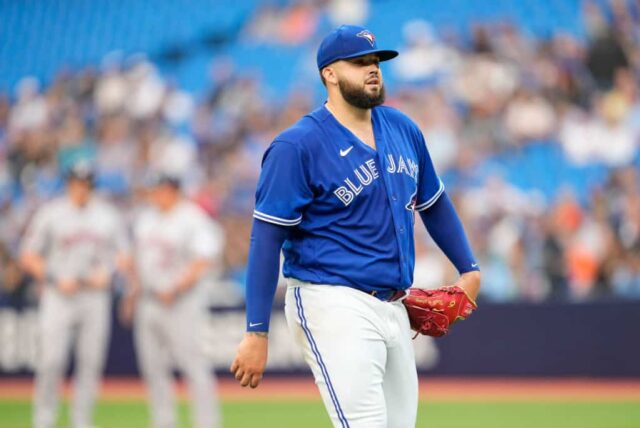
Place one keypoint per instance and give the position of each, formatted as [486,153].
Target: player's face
[360,81]
[79,190]
[163,196]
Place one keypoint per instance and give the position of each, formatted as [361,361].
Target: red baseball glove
[431,312]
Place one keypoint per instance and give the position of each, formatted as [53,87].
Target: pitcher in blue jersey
[338,195]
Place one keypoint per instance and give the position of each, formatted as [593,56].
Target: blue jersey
[352,208]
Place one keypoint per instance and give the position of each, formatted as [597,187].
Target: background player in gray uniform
[71,249]
[176,245]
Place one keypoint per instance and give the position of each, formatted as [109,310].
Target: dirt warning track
[431,389]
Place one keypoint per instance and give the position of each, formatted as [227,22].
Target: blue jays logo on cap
[350,41]
[367,35]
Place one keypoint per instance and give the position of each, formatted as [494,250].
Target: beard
[358,97]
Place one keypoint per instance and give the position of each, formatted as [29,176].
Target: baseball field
[451,403]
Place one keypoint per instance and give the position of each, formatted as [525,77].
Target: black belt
[388,295]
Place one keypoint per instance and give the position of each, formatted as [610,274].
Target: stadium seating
[93,29]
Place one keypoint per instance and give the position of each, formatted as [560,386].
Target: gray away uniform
[74,242]
[165,244]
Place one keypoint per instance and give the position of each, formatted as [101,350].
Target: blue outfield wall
[551,339]
[586,339]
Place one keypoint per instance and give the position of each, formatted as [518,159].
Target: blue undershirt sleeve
[262,272]
[445,227]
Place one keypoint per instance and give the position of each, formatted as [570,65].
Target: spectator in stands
[5,109]
[116,153]
[145,91]
[605,57]
[424,58]
[14,289]
[616,143]
[529,117]
[355,12]
[293,23]
[554,264]
[74,142]
[30,111]
[111,91]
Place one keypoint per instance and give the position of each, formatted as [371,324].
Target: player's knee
[197,375]
[51,363]
[401,421]
[358,410]
[90,364]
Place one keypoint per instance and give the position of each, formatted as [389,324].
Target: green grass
[16,414]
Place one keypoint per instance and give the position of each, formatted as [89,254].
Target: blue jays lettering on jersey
[351,207]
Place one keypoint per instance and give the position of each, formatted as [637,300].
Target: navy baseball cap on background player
[154,179]
[350,41]
[81,170]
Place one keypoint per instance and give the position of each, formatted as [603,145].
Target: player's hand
[167,297]
[251,359]
[68,286]
[126,310]
[98,279]
[470,283]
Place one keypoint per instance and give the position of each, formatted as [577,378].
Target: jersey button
[394,197]
[402,230]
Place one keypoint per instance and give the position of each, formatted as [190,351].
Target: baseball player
[175,245]
[71,248]
[340,189]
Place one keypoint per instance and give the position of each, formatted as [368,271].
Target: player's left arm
[444,226]
[187,280]
[116,252]
[192,274]
[442,221]
[33,245]
[262,279]
[126,265]
[205,246]
[281,197]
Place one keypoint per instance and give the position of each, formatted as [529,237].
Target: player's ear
[329,76]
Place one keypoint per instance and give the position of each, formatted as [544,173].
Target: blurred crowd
[492,91]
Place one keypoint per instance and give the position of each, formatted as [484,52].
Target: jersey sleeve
[38,232]
[430,187]
[283,189]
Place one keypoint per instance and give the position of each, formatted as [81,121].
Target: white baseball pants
[360,352]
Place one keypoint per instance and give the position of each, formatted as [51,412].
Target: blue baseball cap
[350,41]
